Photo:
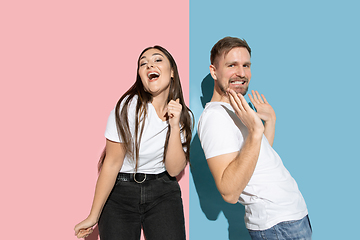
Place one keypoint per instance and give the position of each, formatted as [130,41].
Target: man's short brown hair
[225,45]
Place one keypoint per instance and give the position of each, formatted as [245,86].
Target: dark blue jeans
[154,205]
[289,230]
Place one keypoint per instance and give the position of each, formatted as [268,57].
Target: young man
[237,143]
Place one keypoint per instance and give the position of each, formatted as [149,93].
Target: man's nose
[240,72]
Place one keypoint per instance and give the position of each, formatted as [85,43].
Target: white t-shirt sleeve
[183,140]
[111,131]
[217,135]
[182,133]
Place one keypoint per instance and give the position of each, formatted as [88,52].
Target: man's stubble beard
[243,91]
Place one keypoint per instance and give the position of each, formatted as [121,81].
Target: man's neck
[219,96]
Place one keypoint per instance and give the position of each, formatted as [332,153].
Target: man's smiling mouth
[242,82]
[238,81]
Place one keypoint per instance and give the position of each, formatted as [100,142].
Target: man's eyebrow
[233,62]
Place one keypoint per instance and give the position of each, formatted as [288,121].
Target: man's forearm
[238,173]
[269,131]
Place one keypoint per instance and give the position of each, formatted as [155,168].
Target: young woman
[147,144]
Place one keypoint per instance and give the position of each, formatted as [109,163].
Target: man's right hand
[244,112]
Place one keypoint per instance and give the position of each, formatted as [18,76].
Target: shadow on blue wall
[211,202]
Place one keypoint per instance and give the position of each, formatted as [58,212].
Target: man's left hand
[263,108]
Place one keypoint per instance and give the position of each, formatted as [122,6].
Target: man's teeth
[238,82]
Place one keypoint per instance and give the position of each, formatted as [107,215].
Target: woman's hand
[174,111]
[84,228]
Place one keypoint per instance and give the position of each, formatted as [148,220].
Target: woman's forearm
[175,160]
[104,185]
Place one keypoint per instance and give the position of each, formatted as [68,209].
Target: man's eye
[231,65]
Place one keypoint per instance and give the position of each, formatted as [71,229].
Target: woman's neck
[160,103]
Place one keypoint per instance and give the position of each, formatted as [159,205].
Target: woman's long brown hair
[144,98]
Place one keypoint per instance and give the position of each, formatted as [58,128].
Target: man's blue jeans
[289,230]
[154,205]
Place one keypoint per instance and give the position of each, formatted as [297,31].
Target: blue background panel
[305,58]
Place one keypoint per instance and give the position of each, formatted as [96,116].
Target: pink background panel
[63,66]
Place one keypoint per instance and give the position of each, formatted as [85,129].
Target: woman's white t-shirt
[152,142]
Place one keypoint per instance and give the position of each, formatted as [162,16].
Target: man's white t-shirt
[272,195]
[152,142]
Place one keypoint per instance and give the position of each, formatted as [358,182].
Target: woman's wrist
[93,217]
[175,128]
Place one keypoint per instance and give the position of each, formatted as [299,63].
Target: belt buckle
[139,181]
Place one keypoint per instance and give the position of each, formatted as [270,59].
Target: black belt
[138,177]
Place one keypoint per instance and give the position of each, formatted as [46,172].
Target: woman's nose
[150,64]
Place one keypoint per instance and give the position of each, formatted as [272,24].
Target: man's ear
[213,71]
